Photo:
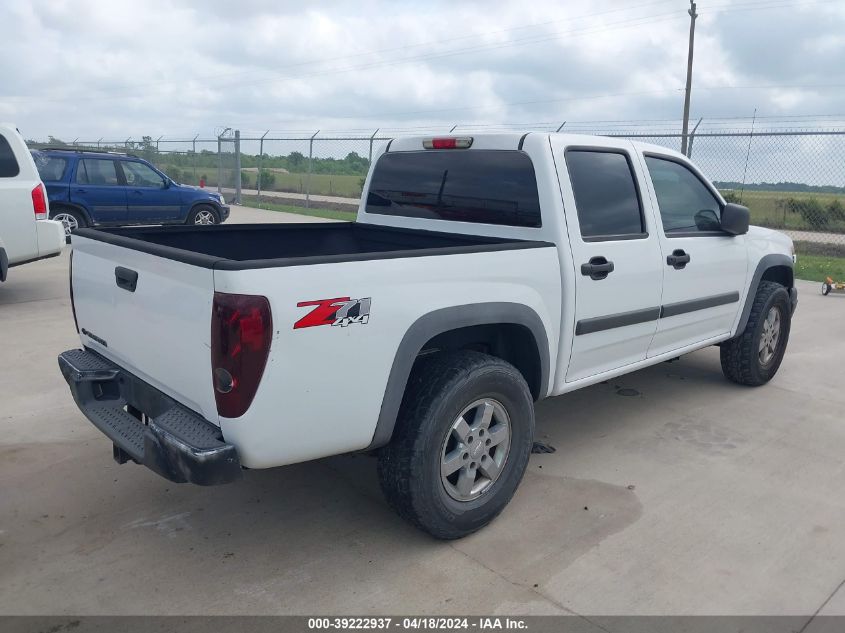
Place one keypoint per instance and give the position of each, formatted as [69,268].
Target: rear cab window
[479,186]
[606,195]
[51,168]
[9,167]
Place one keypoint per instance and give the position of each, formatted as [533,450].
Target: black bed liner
[244,246]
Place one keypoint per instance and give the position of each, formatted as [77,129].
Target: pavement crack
[521,586]
[822,606]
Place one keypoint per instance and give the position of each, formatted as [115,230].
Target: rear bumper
[147,426]
[51,237]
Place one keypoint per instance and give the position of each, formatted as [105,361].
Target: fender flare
[444,320]
[768,261]
[4,262]
[73,207]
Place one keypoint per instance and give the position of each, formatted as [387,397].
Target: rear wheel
[203,214]
[71,220]
[825,288]
[754,357]
[461,443]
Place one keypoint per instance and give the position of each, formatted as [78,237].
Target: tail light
[241,331]
[451,142]
[39,202]
[70,283]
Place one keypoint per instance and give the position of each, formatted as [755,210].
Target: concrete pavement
[692,496]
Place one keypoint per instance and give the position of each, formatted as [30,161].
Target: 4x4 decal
[341,311]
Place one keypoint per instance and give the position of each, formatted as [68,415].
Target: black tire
[825,289]
[740,356]
[440,388]
[203,210]
[81,221]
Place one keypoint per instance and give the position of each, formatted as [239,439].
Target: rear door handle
[678,259]
[597,268]
[81,191]
[126,278]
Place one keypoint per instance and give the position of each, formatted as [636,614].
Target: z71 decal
[341,311]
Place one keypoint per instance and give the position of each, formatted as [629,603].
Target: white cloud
[96,68]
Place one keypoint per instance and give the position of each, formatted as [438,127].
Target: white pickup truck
[26,235]
[482,275]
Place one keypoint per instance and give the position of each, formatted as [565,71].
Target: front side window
[9,167]
[483,186]
[141,175]
[686,204]
[50,168]
[97,171]
[606,194]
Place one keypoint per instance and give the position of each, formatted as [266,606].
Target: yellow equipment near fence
[829,286]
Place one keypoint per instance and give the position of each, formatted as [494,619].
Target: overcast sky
[114,69]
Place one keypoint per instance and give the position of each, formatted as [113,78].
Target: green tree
[296,161]
[268,179]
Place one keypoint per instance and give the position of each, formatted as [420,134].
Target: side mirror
[735,219]
[166,184]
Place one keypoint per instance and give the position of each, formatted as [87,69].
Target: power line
[397,48]
[639,21]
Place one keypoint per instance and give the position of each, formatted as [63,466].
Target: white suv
[25,232]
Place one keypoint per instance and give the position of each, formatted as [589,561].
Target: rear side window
[8,163]
[481,186]
[50,168]
[606,195]
[96,171]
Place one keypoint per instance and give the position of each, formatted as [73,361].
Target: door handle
[126,278]
[678,259]
[137,193]
[597,268]
[81,191]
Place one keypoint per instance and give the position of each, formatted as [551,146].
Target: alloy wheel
[68,221]
[475,450]
[770,336]
[205,217]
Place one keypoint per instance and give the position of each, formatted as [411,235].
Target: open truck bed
[239,247]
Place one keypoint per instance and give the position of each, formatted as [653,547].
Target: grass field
[766,210]
[321,184]
[817,267]
[332,214]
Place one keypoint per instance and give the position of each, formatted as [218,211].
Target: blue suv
[88,188]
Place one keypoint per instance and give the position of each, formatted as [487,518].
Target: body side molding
[682,307]
[611,321]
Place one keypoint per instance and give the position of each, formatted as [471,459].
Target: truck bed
[244,246]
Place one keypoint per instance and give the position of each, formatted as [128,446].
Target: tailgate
[160,331]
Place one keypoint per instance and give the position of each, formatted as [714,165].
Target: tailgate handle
[126,278]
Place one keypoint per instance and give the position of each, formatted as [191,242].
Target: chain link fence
[791,180]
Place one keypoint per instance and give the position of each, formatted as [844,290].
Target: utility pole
[692,16]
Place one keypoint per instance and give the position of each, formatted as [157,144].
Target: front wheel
[203,214]
[754,357]
[461,444]
[825,289]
